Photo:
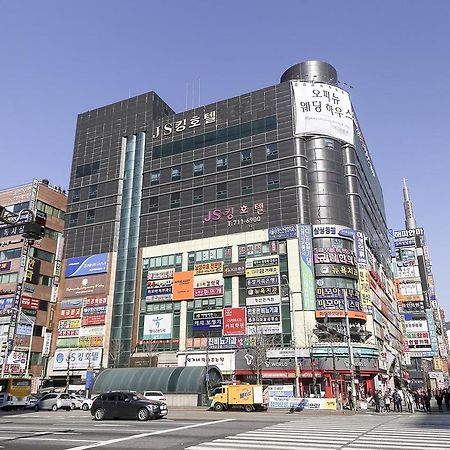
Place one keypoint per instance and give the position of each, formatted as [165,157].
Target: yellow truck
[250,397]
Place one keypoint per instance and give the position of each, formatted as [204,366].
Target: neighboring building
[208,224]
[426,343]
[38,293]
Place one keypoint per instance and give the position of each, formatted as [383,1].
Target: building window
[273,181]
[93,191]
[19,206]
[221,191]
[11,254]
[176,173]
[271,151]
[246,157]
[221,162]
[45,280]
[8,278]
[154,177]
[42,254]
[90,216]
[49,210]
[197,196]
[73,220]
[153,204]
[76,195]
[175,200]
[87,169]
[198,168]
[246,186]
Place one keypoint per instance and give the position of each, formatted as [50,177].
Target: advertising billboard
[77,359]
[282,232]
[157,326]
[85,286]
[87,265]
[234,321]
[205,321]
[183,286]
[322,109]
[307,268]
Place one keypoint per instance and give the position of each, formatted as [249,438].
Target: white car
[53,401]
[79,402]
[155,395]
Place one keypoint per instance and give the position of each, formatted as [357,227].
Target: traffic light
[32,231]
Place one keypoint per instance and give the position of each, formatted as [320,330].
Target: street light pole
[293,335]
[350,350]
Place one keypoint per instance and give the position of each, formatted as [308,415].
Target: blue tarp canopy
[170,380]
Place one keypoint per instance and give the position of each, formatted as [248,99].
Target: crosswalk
[368,432]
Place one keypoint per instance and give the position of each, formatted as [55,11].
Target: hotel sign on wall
[184,124]
[248,215]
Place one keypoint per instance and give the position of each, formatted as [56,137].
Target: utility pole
[350,350]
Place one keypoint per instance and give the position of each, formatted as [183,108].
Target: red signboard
[30,303]
[93,320]
[72,313]
[234,321]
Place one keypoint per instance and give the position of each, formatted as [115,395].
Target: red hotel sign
[234,321]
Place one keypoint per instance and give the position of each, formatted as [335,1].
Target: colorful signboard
[157,326]
[93,320]
[233,269]
[72,313]
[234,321]
[336,270]
[30,302]
[5,266]
[205,321]
[87,265]
[307,268]
[334,255]
[183,286]
[263,314]
[208,267]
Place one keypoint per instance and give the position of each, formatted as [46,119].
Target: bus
[15,392]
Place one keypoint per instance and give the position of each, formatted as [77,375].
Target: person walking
[376,399]
[427,400]
[439,399]
[387,402]
[397,401]
[447,398]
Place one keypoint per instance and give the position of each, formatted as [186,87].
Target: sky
[62,58]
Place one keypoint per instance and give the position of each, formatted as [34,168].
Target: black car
[126,405]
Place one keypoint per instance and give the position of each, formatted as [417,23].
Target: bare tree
[114,354]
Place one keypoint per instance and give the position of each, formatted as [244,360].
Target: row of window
[9,277]
[215,137]
[93,192]
[273,182]
[42,254]
[10,254]
[87,169]
[90,218]
[198,167]
[49,210]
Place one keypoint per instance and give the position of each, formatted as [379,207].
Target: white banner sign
[225,361]
[322,109]
[266,300]
[264,329]
[77,359]
[92,331]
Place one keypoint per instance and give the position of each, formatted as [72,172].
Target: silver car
[53,402]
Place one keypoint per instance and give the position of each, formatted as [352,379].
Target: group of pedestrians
[413,400]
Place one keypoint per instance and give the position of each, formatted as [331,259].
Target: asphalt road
[198,429]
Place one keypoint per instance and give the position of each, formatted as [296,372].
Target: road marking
[111,425]
[153,433]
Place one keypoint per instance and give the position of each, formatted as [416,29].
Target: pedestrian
[439,398]
[447,398]
[387,402]
[409,401]
[427,399]
[351,405]
[376,399]
[417,400]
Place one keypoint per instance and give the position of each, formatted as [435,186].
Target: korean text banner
[87,265]
[322,109]
[157,326]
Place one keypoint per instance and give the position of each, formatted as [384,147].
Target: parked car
[127,405]
[80,402]
[155,395]
[53,401]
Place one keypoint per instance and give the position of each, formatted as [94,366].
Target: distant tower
[410,221]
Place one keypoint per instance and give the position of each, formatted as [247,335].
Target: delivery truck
[250,397]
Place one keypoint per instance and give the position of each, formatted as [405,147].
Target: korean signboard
[336,270]
[87,265]
[186,123]
[30,302]
[233,269]
[5,266]
[32,272]
[263,314]
[282,232]
[234,321]
[204,321]
[85,286]
[322,109]
[208,267]
[333,255]
[306,268]
[93,320]
[157,326]
[77,359]
[248,215]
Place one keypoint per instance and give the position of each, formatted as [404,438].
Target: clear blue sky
[60,58]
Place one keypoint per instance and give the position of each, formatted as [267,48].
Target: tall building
[30,326]
[426,343]
[228,228]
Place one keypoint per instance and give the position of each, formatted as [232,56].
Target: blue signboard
[282,232]
[87,265]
